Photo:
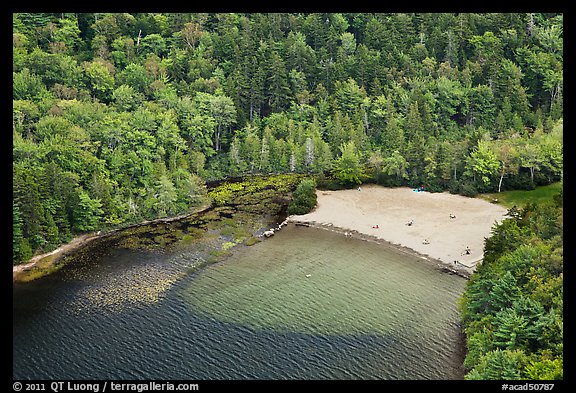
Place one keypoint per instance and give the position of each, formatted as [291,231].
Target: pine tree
[510,328]
[52,233]
[17,236]
[415,153]
[278,90]
[413,124]
[498,365]
[503,293]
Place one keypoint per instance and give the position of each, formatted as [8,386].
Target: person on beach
[452,215]
[409,223]
[425,241]
[467,250]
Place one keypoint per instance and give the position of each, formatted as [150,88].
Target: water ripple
[301,305]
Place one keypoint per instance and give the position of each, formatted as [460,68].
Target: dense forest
[120,117]
[513,307]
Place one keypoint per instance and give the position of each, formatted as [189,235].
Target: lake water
[304,304]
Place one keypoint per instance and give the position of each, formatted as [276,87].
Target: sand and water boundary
[443,225]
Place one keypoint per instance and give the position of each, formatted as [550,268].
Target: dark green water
[304,304]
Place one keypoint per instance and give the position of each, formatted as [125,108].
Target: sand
[392,208]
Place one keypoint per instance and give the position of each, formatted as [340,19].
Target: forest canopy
[513,306]
[121,117]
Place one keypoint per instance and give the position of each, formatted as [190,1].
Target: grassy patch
[45,266]
[228,245]
[520,198]
[35,273]
[216,256]
[252,240]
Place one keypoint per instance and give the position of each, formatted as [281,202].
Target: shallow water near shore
[304,304]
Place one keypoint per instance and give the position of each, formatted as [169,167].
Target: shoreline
[461,269]
[48,262]
[354,213]
[50,259]
[443,228]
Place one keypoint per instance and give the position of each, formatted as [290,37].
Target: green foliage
[153,43]
[498,364]
[395,165]
[68,33]
[483,162]
[17,238]
[120,94]
[468,189]
[99,80]
[347,168]
[254,192]
[303,198]
[87,213]
[165,196]
[522,197]
[546,369]
[512,307]
[28,86]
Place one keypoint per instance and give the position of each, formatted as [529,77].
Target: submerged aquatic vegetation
[238,212]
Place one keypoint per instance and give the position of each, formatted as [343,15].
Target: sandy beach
[433,232]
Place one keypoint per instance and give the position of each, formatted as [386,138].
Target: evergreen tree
[499,365]
[117,93]
[277,92]
[17,236]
